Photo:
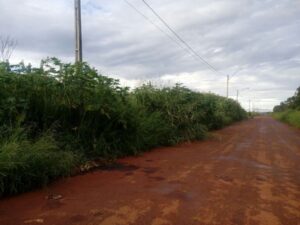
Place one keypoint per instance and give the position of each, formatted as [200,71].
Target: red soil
[248,173]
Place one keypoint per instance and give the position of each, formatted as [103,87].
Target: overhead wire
[159,28]
[179,37]
[232,75]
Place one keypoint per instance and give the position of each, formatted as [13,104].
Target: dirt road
[248,173]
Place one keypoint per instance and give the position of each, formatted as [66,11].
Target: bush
[91,116]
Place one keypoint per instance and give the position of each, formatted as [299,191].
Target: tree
[7,46]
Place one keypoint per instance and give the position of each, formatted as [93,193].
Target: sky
[255,42]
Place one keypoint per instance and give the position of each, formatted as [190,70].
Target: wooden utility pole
[78,34]
[227,86]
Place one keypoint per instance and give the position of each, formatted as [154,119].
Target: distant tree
[291,103]
[280,108]
[296,99]
[7,46]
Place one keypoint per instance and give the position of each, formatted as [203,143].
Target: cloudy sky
[257,40]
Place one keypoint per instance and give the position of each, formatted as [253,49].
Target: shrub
[91,116]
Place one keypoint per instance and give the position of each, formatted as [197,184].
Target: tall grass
[69,112]
[25,163]
[289,110]
[291,117]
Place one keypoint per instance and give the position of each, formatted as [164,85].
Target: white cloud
[258,37]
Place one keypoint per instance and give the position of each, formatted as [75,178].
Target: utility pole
[227,86]
[78,34]
[228,79]
[238,92]
[249,105]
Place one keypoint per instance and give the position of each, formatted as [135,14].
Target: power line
[232,75]
[160,29]
[179,38]
[271,89]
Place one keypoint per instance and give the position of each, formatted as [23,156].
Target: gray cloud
[258,37]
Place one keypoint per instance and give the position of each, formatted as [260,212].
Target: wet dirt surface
[248,173]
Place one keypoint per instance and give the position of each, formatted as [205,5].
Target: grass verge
[290,117]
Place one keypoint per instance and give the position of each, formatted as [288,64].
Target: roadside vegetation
[58,116]
[289,111]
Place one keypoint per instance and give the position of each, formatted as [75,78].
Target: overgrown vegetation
[289,111]
[31,163]
[289,116]
[292,103]
[54,117]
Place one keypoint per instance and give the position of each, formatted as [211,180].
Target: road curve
[248,173]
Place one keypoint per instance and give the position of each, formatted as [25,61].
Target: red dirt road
[248,173]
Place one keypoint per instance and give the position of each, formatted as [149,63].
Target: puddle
[250,163]
[262,130]
[157,178]
[77,218]
[128,173]
[150,170]
[261,178]
[177,194]
[261,166]
[173,191]
[166,188]
[242,146]
[225,178]
[53,205]
[119,167]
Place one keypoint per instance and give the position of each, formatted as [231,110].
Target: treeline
[55,117]
[289,110]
